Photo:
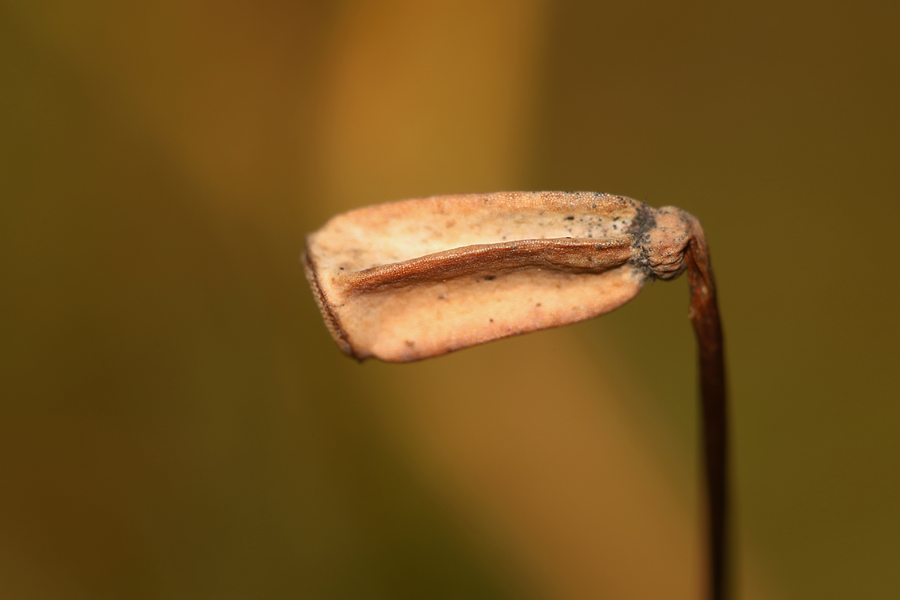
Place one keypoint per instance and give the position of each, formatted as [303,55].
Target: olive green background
[175,421]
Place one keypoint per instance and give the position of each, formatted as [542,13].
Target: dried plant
[419,278]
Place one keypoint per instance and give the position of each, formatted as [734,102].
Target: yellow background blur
[175,421]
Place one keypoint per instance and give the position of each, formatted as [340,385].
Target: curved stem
[708,328]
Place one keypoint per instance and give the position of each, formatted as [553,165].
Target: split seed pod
[413,279]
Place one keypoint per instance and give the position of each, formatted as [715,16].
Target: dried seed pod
[418,278]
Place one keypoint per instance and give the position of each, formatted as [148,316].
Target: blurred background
[176,422]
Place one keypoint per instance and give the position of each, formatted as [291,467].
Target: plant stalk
[714,409]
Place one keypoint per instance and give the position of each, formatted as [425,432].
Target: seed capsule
[418,278]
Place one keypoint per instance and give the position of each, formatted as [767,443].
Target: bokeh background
[175,421]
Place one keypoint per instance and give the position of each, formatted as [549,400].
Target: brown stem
[708,328]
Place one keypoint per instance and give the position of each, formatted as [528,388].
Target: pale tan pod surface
[418,278]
